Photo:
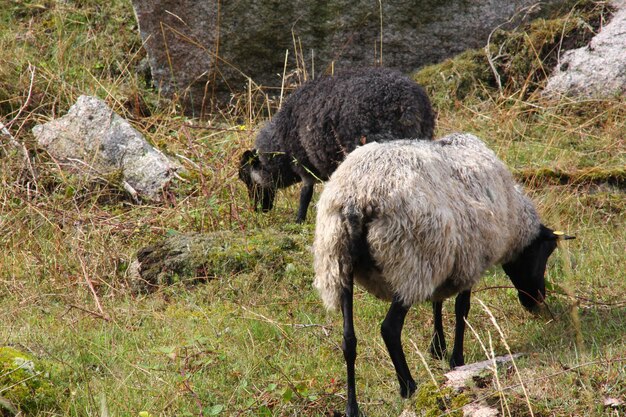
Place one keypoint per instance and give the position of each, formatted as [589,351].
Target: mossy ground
[26,385]
[256,340]
[195,258]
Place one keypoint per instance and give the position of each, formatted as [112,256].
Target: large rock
[597,70]
[201,51]
[91,138]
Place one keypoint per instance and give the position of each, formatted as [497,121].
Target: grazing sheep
[412,221]
[326,119]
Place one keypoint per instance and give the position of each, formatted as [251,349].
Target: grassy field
[255,340]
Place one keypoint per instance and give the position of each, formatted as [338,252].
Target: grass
[256,340]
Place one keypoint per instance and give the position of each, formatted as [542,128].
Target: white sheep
[412,221]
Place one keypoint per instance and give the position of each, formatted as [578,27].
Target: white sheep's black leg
[461,309]
[391,330]
[438,343]
[349,348]
[305,198]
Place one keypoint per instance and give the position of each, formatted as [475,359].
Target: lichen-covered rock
[25,385]
[204,50]
[93,139]
[453,397]
[194,257]
[598,69]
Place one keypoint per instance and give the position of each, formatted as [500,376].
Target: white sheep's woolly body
[436,214]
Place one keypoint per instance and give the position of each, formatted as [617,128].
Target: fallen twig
[93,313]
[92,289]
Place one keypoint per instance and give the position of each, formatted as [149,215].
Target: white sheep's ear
[560,235]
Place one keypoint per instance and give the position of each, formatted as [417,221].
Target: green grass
[257,341]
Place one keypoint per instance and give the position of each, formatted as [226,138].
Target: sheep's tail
[340,241]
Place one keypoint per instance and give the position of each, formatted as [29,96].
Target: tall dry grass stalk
[430,373]
[282,81]
[380,14]
[299,57]
[508,349]
[574,312]
[490,355]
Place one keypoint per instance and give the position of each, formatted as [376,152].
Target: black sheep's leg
[438,343]
[349,348]
[391,330]
[305,198]
[461,309]
[266,198]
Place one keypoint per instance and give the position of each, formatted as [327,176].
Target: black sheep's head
[527,270]
[258,181]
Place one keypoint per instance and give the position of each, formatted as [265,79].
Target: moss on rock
[615,177]
[454,79]
[193,258]
[517,61]
[435,401]
[25,385]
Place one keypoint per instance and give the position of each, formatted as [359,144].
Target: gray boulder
[94,140]
[201,52]
[597,70]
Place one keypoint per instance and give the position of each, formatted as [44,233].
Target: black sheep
[326,119]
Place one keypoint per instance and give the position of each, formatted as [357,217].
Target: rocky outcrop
[598,69]
[201,52]
[92,139]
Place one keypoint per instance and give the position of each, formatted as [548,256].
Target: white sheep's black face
[528,269]
[260,187]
